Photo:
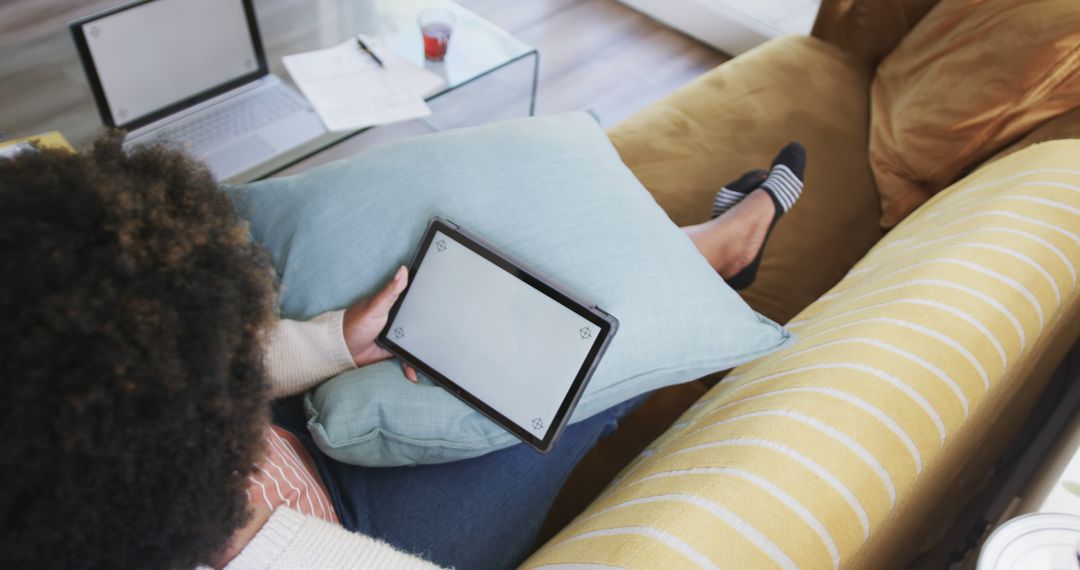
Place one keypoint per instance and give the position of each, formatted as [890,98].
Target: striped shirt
[287,476]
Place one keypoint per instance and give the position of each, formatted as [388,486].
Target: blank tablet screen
[510,345]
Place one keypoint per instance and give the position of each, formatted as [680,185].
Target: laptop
[193,72]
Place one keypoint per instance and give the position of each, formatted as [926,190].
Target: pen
[364,47]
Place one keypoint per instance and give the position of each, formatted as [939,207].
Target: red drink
[436,25]
[436,36]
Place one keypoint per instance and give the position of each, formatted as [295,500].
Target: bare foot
[732,241]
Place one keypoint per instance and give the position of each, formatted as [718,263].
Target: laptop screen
[147,59]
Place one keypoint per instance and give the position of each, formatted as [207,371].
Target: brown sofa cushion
[734,118]
[968,80]
[868,29]
[1065,126]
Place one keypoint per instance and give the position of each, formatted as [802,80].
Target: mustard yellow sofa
[921,352]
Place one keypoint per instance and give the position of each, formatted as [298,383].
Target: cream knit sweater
[299,356]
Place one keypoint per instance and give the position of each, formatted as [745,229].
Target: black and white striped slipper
[733,192]
[784,185]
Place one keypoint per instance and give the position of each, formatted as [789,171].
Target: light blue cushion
[551,191]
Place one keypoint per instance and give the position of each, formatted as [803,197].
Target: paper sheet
[350,91]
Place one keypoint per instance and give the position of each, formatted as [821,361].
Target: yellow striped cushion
[794,461]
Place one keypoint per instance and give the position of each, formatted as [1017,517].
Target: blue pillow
[551,191]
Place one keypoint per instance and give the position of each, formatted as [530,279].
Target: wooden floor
[599,54]
[596,55]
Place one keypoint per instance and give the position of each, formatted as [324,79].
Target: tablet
[513,345]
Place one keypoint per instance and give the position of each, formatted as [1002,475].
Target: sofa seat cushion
[837,450]
[735,118]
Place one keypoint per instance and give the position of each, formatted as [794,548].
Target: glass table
[43,88]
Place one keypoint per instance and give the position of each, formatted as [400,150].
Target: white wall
[732,26]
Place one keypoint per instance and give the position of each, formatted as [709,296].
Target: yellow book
[51,139]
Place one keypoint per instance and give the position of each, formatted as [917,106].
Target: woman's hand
[364,321]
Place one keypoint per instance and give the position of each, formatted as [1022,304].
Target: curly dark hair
[132,391]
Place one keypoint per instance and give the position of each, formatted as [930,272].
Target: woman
[141,356]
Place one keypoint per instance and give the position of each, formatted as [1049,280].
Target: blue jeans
[477,513]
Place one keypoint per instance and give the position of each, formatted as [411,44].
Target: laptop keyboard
[232,119]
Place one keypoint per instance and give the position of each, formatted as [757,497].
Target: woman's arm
[301,354]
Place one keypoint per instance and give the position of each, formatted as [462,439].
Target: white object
[291,540]
[209,91]
[1041,541]
[350,91]
[732,26]
[11,151]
